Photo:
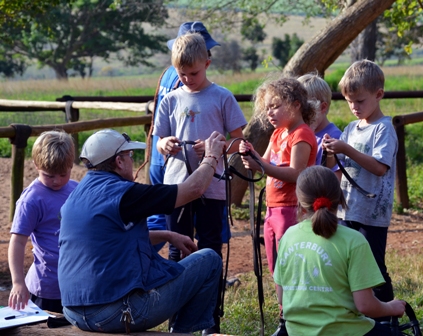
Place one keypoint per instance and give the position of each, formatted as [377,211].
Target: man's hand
[215,144]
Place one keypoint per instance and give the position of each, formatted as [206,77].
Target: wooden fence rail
[19,134]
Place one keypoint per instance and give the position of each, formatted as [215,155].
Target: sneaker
[211,331]
[281,331]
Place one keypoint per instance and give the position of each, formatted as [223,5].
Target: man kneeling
[110,276]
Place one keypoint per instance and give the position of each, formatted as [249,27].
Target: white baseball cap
[104,144]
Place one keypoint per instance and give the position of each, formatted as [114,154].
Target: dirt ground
[405,233]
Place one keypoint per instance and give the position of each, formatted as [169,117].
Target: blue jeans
[191,297]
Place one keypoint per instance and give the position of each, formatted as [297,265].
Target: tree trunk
[318,54]
[260,143]
[364,46]
[60,71]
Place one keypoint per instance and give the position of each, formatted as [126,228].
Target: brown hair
[362,75]
[54,152]
[189,49]
[288,90]
[318,182]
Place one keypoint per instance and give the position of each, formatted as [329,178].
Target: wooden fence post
[19,143]
[149,108]
[72,115]
[401,171]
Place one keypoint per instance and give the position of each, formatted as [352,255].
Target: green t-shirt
[318,277]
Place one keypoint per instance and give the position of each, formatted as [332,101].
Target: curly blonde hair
[288,90]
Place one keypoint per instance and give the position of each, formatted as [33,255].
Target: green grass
[242,315]
[242,310]
[397,78]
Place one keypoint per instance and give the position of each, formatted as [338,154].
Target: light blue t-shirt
[192,116]
[380,141]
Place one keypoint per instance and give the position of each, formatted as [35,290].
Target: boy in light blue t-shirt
[191,113]
[368,148]
[170,81]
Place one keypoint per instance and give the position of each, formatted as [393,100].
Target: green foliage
[341,123]
[226,13]
[414,144]
[414,184]
[19,12]
[404,15]
[75,32]
[11,64]
[245,87]
[394,43]
[280,49]
[5,148]
[253,31]
[252,58]
[414,150]
[283,50]
[404,83]
[334,77]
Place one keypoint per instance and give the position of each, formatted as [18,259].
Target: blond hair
[362,75]
[314,183]
[54,152]
[316,87]
[189,49]
[288,90]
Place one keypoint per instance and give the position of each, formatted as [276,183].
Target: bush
[333,79]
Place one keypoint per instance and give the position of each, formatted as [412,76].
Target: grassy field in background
[397,78]
[241,304]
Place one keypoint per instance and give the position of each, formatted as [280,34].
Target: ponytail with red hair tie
[322,202]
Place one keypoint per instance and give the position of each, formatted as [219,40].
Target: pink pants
[277,221]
